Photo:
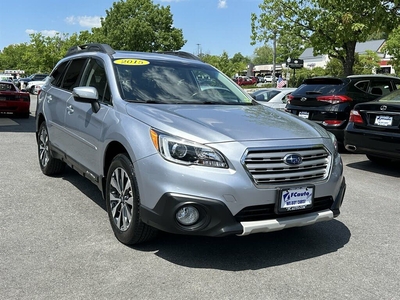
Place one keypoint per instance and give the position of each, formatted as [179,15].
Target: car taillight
[289,98]
[334,99]
[355,117]
[333,122]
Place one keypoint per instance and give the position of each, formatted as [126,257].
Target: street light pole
[198,49]
[274,61]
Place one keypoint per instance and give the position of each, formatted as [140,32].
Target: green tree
[331,27]
[139,25]
[263,55]
[239,58]
[363,64]
[228,66]
[366,63]
[15,57]
[392,46]
[334,68]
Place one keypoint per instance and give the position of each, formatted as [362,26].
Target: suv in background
[329,100]
[34,77]
[175,145]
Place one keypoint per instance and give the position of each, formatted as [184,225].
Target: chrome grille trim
[266,166]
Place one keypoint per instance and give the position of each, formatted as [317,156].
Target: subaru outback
[175,145]
[329,100]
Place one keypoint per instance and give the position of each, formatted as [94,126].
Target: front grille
[267,166]
[267,212]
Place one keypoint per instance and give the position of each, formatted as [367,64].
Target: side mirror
[87,94]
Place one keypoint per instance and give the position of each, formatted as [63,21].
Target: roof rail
[104,48]
[181,54]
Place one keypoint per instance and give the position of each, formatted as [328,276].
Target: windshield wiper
[212,102]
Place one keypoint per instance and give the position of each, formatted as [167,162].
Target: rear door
[54,104]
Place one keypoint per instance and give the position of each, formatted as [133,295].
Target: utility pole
[274,60]
[198,49]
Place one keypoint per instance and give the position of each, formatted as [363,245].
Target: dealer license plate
[383,120]
[304,114]
[294,199]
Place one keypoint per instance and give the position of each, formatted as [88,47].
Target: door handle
[70,109]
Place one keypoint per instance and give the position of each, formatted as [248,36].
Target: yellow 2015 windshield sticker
[131,62]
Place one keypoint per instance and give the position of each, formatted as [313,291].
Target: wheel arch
[113,149]
[39,120]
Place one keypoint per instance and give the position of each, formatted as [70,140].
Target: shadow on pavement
[251,252]
[392,169]
[10,123]
[234,253]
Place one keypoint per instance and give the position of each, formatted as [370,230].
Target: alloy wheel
[121,199]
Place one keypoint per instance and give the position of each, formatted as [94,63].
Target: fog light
[187,215]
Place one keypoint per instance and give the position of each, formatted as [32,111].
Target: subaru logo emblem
[383,107]
[292,159]
[303,99]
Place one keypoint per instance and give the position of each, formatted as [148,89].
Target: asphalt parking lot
[56,242]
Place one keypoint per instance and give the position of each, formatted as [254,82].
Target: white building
[311,61]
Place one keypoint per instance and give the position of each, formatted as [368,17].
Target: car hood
[220,123]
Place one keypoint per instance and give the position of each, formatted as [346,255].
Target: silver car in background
[272,97]
[175,145]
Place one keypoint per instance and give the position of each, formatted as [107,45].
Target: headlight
[186,152]
[334,141]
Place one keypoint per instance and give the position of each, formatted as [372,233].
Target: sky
[209,26]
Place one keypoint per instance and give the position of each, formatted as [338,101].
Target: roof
[105,48]
[374,45]
[361,48]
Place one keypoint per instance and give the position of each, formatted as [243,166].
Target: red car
[12,100]
[244,80]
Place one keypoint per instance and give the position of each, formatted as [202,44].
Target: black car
[329,100]
[374,129]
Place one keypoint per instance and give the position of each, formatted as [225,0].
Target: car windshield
[326,86]
[176,83]
[392,97]
[265,95]
[6,87]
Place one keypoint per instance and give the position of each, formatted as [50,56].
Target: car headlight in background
[186,152]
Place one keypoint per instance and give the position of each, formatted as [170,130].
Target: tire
[378,160]
[123,203]
[48,164]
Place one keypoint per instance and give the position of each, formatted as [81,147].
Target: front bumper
[216,219]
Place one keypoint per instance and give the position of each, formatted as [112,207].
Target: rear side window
[58,74]
[362,85]
[380,87]
[71,78]
[396,83]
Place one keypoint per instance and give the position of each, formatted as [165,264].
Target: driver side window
[95,76]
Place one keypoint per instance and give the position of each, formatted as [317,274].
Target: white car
[273,97]
[34,87]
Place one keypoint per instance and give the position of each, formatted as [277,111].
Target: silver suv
[175,145]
